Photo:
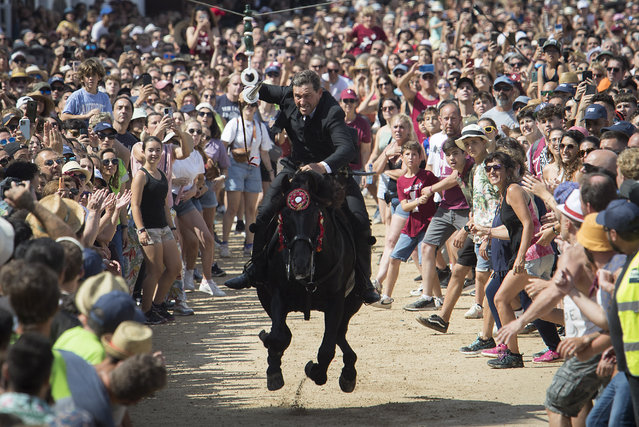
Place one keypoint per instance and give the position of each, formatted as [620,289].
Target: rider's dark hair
[307,77]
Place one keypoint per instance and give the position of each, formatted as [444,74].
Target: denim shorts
[483,264]
[396,208]
[185,206]
[209,199]
[406,245]
[540,267]
[159,235]
[244,178]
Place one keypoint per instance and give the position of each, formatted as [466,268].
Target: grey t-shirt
[501,118]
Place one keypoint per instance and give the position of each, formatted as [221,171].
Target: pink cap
[581,129]
[348,94]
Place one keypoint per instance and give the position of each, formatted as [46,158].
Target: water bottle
[369,178]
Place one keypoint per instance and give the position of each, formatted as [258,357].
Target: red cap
[162,84]
[348,94]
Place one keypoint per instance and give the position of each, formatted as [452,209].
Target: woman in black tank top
[155,228]
[503,173]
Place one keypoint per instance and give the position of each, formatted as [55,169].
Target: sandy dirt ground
[407,374]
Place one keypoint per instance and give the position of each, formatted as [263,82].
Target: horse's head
[301,228]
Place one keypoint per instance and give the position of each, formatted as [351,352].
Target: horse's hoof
[347,380]
[311,371]
[274,381]
[347,386]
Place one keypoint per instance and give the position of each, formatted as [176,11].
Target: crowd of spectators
[501,141]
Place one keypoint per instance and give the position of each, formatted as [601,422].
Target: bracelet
[124,226]
[141,230]
[490,231]
[554,230]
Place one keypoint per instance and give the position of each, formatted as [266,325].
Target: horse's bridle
[315,246]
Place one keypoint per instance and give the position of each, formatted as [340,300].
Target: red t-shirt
[410,189]
[420,104]
[364,38]
[363,128]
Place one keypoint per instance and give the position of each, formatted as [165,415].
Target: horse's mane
[324,189]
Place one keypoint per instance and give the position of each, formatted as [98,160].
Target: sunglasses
[567,146]
[208,95]
[443,86]
[406,51]
[383,84]
[50,162]
[490,129]
[490,168]
[169,73]
[504,89]
[113,162]
[517,64]
[389,108]
[103,135]
[80,176]
[547,92]
[584,153]
[195,131]
[427,77]
[45,91]
[7,141]
[398,73]
[169,56]
[613,69]
[188,88]
[203,114]
[178,81]
[349,101]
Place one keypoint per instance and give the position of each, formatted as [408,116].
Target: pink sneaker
[547,357]
[495,351]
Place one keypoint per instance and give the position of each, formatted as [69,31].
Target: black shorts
[466,255]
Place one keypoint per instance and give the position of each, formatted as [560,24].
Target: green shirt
[82,342]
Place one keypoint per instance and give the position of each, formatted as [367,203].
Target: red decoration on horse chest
[298,199]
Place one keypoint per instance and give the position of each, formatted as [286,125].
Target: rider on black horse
[321,142]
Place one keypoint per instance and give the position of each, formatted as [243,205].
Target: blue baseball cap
[522,99]
[594,112]
[66,150]
[187,108]
[102,126]
[565,88]
[400,67]
[620,215]
[113,308]
[503,79]
[106,10]
[91,260]
[623,127]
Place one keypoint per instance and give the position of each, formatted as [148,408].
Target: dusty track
[407,374]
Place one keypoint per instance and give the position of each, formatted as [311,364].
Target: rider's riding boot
[255,269]
[363,285]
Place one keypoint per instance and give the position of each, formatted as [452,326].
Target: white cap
[521,35]
[139,113]
[204,105]
[168,137]
[22,101]
[136,30]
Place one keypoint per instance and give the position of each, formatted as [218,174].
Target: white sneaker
[438,302]
[384,302]
[210,287]
[475,312]
[187,280]
[417,292]
[182,309]
[224,251]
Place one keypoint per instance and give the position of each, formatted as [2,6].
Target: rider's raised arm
[342,139]
[274,94]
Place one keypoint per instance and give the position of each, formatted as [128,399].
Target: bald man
[633,142]
[601,159]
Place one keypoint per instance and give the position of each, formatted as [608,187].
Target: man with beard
[502,113]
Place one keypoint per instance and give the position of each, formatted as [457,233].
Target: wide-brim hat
[73,166]
[70,211]
[130,338]
[46,100]
[470,131]
[572,207]
[94,287]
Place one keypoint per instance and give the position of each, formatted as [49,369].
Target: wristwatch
[141,230]
[466,229]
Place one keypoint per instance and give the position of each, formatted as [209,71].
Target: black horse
[311,267]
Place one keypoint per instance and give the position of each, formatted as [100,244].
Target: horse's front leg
[348,378]
[326,352]
[277,341]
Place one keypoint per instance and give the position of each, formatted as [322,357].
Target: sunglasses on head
[490,168]
[547,92]
[113,162]
[50,162]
